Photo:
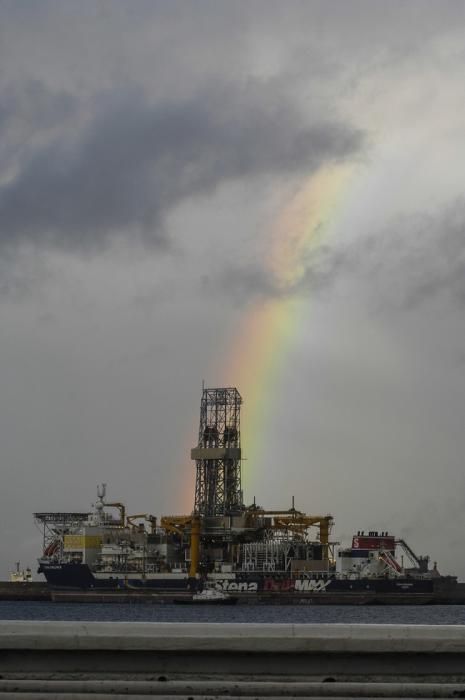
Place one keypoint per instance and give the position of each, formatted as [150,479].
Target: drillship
[254,552]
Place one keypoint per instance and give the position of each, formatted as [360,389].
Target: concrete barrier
[100,660]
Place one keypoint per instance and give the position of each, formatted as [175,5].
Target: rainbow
[271,326]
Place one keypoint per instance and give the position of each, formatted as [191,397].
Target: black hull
[261,588]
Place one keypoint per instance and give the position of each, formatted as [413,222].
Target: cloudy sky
[167,177]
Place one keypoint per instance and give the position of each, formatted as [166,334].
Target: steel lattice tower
[218,454]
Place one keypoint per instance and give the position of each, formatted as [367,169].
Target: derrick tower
[218,454]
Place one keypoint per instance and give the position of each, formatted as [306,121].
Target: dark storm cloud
[131,161]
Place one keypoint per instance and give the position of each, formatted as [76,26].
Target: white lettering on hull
[285,586]
[233,587]
[304,585]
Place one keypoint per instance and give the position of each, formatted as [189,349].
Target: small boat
[209,596]
[20,575]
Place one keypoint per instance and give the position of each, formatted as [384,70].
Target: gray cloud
[32,105]
[412,260]
[132,161]
[240,282]
[30,112]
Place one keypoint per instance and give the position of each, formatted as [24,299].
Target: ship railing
[249,566]
[260,571]
[268,566]
[322,574]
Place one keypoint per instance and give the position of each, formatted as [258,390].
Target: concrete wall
[199,660]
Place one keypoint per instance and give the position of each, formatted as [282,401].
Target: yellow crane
[296,522]
[177,524]
[142,516]
[122,511]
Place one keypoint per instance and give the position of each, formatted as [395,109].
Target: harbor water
[291,614]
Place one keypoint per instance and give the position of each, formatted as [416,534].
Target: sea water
[147,612]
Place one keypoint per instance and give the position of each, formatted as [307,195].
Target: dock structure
[103,660]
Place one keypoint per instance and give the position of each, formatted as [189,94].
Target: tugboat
[209,596]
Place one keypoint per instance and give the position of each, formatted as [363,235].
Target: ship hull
[79,577]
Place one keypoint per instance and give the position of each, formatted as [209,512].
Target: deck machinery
[223,534]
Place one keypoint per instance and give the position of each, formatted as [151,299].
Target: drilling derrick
[218,454]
